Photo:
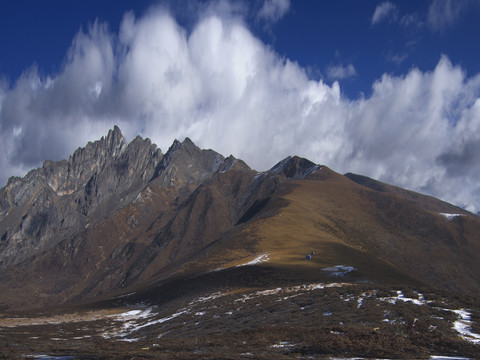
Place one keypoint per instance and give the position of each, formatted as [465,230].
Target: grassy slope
[382,235]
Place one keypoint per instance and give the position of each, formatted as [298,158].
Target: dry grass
[264,311]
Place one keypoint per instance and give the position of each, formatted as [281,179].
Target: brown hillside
[192,211]
[383,235]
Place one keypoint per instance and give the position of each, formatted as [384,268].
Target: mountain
[122,236]
[59,199]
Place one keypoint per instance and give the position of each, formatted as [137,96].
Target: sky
[387,89]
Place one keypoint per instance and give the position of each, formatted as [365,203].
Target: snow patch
[159,321]
[401,297]
[258,260]
[282,345]
[133,314]
[450,216]
[131,323]
[463,326]
[339,270]
[82,337]
[311,170]
[202,299]
[268,292]
[360,301]
[129,340]
[419,301]
[289,290]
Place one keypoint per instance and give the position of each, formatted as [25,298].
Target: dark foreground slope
[203,257]
[258,312]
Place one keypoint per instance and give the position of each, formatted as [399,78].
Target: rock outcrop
[59,199]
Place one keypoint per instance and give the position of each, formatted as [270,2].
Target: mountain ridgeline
[118,216]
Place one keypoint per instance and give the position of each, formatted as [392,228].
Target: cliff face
[60,198]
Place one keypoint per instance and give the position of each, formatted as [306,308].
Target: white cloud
[274,10]
[228,91]
[396,58]
[409,20]
[386,11]
[390,13]
[339,72]
[445,13]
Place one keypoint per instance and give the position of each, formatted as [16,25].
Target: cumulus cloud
[339,72]
[418,122]
[386,11]
[226,90]
[274,10]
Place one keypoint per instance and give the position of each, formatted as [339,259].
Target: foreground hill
[136,245]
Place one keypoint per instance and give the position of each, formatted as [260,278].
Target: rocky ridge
[60,223]
[57,200]
[119,216]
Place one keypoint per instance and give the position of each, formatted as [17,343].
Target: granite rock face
[57,200]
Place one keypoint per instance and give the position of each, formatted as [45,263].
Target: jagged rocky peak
[55,202]
[65,177]
[95,154]
[294,167]
[115,142]
[232,163]
[142,154]
[50,202]
[185,163]
[187,148]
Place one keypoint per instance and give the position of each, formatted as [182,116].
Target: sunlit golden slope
[383,235]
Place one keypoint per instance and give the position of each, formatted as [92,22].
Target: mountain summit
[59,199]
[120,223]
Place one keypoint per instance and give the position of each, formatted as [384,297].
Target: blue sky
[319,35]
[388,89]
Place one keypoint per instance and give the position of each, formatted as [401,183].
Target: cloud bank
[225,89]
